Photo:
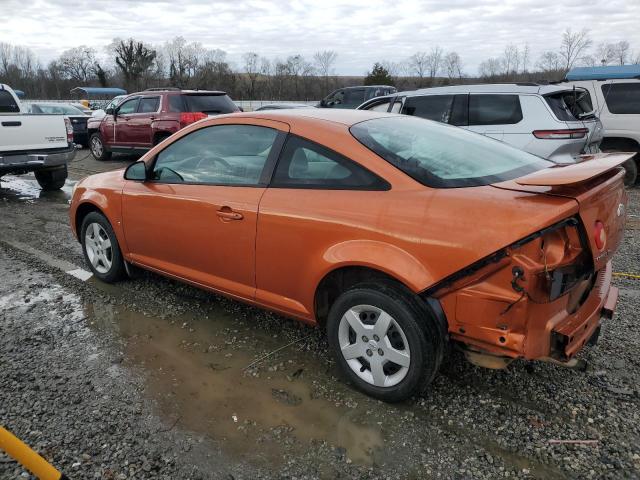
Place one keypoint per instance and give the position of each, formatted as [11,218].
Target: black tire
[98,150]
[117,270]
[52,178]
[631,171]
[424,336]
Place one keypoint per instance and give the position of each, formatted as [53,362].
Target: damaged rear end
[544,296]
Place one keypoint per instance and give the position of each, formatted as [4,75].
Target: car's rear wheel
[631,171]
[382,341]
[52,178]
[98,150]
[101,249]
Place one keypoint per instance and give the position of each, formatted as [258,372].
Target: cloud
[362,32]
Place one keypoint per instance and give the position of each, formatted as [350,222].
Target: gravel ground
[147,379]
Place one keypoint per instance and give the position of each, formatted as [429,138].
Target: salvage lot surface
[149,379]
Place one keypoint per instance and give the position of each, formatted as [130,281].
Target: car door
[139,125]
[491,114]
[122,131]
[196,215]
[315,195]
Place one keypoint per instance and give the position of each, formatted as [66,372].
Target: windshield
[443,156]
[56,109]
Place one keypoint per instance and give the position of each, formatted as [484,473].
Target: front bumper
[28,161]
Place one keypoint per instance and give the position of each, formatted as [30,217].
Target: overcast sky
[362,32]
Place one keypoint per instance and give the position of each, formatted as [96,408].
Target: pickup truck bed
[42,144]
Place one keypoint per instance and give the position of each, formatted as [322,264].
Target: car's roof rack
[162,89]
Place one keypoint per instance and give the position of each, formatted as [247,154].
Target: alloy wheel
[374,345]
[98,247]
[96,146]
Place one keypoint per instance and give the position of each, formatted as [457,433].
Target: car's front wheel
[98,150]
[384,341]
[101,249]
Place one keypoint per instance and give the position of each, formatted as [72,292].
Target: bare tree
[511,60]
[526,57]
[573,46]
[324,62]
[605,54]
[78,63]
[491,68]
[134,59]
[418,65]
[252,70]
[550,62]
[453,65]
[622,51]
[434,60]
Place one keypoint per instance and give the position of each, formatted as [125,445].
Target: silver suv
[551,121]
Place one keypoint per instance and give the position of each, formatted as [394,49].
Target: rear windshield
[7,103]
[571,105]
[622,98]
[443,156]
[211,104]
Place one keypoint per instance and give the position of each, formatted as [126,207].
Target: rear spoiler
[589,166]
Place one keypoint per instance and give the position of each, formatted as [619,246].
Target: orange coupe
[398,235]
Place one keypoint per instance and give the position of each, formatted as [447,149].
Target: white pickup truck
[42,144]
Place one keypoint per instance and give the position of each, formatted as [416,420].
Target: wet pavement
[205,387]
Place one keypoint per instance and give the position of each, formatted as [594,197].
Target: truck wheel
[98,149]
[51,179]
[385,341]
[101,249]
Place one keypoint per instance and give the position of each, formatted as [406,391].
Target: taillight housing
[563,134]
[599,234]
[187,118]
[69,127]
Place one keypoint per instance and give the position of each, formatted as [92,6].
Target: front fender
[381,256]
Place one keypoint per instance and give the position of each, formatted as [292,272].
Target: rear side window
[149,105]
[305,164]
[431,107]
[494,109]
[450,109]
[353,97]
[571,105]
[7,103]
[212,104]
[622,98]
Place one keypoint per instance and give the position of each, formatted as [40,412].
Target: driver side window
[128,107]
[218,155]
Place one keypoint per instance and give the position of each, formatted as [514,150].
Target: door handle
[225,213]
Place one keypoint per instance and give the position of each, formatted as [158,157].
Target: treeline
[135,65]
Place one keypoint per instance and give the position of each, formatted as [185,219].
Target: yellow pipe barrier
[29,459]
[627,275]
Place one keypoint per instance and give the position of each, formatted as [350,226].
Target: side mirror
[323,103]
[136,171]
[110,111]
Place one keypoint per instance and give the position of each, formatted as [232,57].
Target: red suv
[144,119]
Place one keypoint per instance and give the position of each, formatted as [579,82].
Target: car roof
[342,116]
[152,91]
[527,88]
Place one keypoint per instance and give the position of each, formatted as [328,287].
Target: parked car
[553,122]
[615,91]
[100,113]
[395,234]
[78,118]
[42,144]
[282,106]
[351,97]
[144,119]
[83,108]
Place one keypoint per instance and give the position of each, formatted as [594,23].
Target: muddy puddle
[25,189]
[196,372]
